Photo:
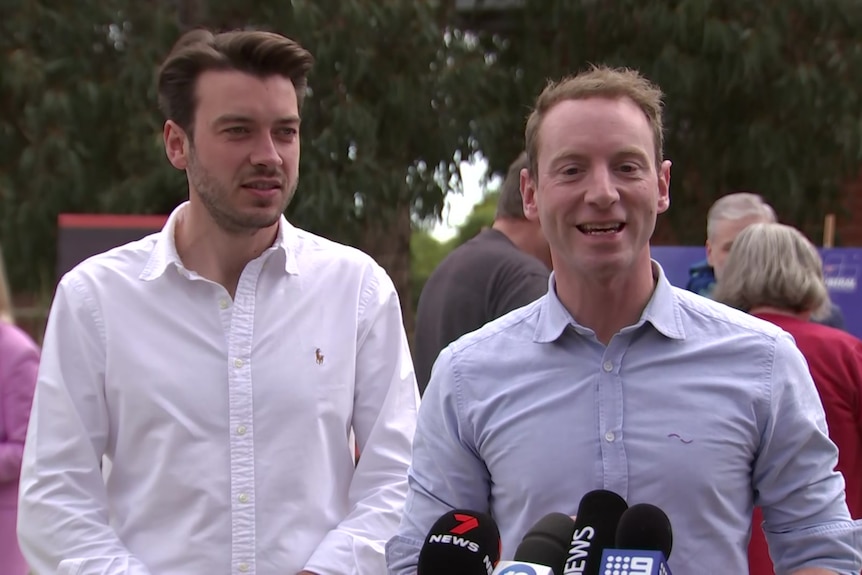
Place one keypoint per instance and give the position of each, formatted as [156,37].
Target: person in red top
[775,273]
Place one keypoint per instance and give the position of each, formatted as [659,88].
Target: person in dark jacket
[501,269]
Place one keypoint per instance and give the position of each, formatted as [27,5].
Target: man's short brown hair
[258,53]
[597,82]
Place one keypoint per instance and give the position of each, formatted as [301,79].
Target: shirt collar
[165,254]
[662,312]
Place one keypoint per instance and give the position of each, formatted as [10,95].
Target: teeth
[600,229]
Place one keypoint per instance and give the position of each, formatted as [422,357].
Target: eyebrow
[240,119]
[626,152]
[567,157]
[631,151]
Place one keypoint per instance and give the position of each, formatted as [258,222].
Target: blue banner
[841,268]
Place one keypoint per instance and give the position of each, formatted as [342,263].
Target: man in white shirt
[223,365]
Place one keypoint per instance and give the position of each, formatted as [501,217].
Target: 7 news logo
[466,523]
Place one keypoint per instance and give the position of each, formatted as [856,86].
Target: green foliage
[384,127]
[78,129]
[481,217]
[387,122]
[761,95]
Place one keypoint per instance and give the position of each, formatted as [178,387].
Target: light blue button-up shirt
[700,409]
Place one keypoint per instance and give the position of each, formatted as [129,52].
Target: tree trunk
[387,240]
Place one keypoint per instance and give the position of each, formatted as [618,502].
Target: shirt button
[243,567]
[609,436]
[243,498]
[241,430]
[223,303]
[608,366]
[237,362]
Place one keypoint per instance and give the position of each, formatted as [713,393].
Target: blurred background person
[19,363]
[501,269]
[776,274]
[727,217]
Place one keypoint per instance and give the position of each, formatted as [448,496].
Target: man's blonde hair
[598,82]
[5,295]
[773,265]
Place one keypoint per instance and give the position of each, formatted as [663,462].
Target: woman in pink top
[19,361]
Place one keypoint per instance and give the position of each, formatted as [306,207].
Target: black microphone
[645,526]
[575,547]
[643,542]
[461,542]
[596,523]
[546,544]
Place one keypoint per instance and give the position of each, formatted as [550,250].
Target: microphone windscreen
[599,513]
[461,542]
[547,542]
[646,527]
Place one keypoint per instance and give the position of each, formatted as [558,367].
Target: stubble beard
[215,197]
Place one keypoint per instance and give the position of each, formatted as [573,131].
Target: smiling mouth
[601,229]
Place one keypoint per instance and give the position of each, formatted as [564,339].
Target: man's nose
[265,152]
[602,191]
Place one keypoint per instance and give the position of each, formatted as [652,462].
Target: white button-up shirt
[227,424]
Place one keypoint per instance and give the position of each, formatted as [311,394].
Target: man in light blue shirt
[617,380]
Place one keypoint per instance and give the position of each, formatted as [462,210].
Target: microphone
[573,547]
[644,540]
[543,549]
[461,542]
[522,568]
[595,529]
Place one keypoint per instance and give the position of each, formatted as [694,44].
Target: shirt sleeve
[386,401]
[16,398]
[63,523]
[447,472]
[806,520]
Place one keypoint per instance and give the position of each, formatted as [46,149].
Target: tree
[760,96]
[385,124]
[480,217]
[393,93]
[78,127]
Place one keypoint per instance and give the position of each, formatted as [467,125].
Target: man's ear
[177,145]
[663,187]
[528,196]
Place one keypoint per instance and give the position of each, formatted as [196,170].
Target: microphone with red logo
[643,542]
[461,542]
